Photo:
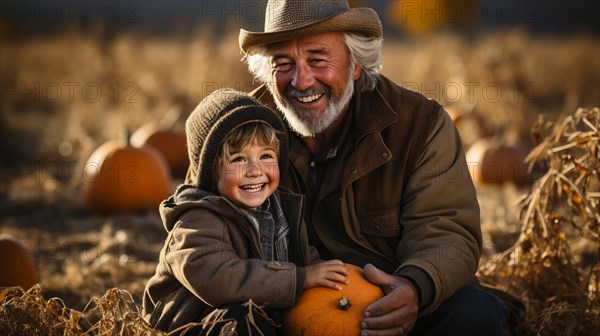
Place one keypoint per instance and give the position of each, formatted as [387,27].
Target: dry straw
[115,313]
[560,288]
[28,313]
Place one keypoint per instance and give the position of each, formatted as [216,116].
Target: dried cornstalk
[560,291]
[120,315]
[28,313]
[115,313]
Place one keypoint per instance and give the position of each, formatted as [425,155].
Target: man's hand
[396,313]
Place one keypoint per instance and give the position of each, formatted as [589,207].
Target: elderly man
[383,169]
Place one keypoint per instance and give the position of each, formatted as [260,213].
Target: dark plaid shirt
[272,228]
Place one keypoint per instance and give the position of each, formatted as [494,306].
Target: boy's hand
[327,274]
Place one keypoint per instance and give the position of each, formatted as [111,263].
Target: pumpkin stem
[126,137]
[344,303]
[501,133]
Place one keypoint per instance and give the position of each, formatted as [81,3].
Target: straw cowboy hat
[290,19]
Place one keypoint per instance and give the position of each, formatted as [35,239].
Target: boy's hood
[188,196]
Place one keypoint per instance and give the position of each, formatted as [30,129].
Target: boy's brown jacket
[212,257]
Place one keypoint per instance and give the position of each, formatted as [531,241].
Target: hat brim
[359,20]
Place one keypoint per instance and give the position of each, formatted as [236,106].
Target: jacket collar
[372,113]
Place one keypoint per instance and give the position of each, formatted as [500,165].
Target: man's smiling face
[313,81]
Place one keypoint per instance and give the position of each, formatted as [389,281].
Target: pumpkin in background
[18,268]
[167,140]
[122,178]
[326,311]
[494,162]
[170,143]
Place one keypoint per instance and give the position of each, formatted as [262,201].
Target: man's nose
[303,77]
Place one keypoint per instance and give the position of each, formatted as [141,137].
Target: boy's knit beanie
[210,122]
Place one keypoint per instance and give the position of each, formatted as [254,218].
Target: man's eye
[317,61]
[282,66]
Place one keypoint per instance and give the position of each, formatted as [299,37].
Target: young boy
[232,234]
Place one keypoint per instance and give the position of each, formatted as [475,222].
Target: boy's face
[250,176]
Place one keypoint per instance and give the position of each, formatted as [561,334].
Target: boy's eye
[269,154]
[238,159]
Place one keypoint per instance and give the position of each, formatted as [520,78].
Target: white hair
[364,51]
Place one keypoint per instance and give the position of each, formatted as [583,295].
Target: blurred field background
[75,75]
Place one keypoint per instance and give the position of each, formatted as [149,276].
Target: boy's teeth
[253,188]
[310,98]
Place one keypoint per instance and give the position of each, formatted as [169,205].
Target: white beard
[302,121]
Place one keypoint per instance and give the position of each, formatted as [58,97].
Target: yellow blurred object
[418,17]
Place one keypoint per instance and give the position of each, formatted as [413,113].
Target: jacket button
[263,239]
[377,228]
[384,155]
[353,171]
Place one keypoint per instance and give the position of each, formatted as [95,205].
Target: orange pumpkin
[170,143]
[493,162]
[325,311]
[18,268]
[122,178]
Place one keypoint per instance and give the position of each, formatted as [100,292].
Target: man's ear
[357,71]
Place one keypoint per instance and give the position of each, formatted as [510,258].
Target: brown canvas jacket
[212,257]
[407,199]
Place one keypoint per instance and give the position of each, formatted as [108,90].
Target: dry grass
[115,313]
[29,313]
